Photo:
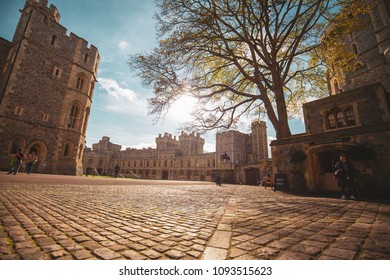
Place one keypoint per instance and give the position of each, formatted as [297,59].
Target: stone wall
[39,89]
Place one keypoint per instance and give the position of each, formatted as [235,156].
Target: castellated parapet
[182,158]
[47,81]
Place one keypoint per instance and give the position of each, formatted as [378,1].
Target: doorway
[326,162]
[165,175]
[41,151]
[252,176]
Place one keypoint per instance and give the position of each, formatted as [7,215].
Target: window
[74,116]
[86,58]
[79,84]
[45,117]
[57,72]
[66,150]
[53,40]
[337,118]
[350,116]
[340,119]
[332,121]
[354,48]
[18,111]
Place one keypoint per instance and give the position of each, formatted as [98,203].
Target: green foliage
[296,156]
[238,57]
[336,49]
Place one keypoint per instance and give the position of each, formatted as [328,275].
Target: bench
[267,181]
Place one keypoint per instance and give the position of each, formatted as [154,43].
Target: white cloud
[122,100]
[123,45]
[144,145]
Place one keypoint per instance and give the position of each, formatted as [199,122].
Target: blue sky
[118,28]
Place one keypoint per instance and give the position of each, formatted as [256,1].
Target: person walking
[218,180]
[345,174]
[31,160]
[19,157]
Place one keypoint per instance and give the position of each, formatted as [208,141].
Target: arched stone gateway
[40,150]
[321,166]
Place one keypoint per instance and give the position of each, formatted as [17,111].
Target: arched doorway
[41,151]
[321,164]
[165,175]
[252,176]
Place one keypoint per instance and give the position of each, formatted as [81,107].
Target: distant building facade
[354,119]
[183,158]
[47,81]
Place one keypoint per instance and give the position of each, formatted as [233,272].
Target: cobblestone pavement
[43,217]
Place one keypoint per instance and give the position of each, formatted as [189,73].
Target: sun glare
[182,108]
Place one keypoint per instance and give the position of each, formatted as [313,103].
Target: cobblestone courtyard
[60,217]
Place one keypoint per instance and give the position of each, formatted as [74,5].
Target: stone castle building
[47,81]
[354,118]
[239,157]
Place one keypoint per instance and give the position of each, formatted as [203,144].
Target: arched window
[340,119]
[68,150]
[331,121]
[74,116]
[80,83]
[350,116]
[53,40]
[86,58]
[354,48]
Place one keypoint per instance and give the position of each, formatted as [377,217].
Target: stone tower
[191,144]
[371,47]
[47,80]
[259,143]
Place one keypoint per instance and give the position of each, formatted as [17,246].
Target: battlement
[187,136]
[51,11]
[165,137]
[37,16]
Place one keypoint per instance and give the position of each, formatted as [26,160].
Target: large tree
[236,57]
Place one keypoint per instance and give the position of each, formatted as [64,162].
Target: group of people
[18,159]
[344,171]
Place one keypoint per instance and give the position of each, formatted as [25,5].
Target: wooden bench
[267,181]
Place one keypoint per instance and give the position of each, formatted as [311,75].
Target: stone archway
[321,161]
[40,150]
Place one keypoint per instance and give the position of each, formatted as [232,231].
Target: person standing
[19,157]
[345,174]
[31,160]
[116,169]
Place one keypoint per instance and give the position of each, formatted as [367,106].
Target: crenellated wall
[46,88]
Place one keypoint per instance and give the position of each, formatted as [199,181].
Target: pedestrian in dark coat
[345,174]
